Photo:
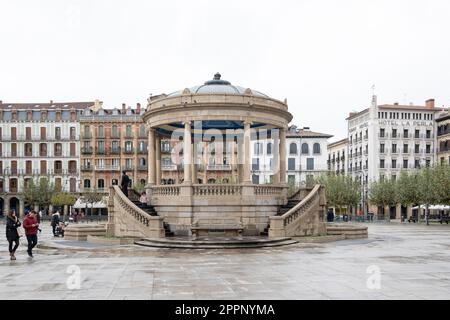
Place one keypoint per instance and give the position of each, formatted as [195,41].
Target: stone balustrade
[127,220]
[217,190]
[166,190]
[268,190]
[306,218]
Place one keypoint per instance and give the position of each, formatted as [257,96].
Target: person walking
[31,227]
[55,222]
[12,234]
[124,183]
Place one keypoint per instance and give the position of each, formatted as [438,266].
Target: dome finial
[217,76]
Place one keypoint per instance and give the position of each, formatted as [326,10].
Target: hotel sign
[405,123]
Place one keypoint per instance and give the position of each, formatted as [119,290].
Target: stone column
[158,160]
[151,157]
[21,208]
[194,165]
[283,155]
[240,160]
[187,153]
[276,156]
[5,206]
[246,179]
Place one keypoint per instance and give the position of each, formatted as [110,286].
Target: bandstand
[213,126]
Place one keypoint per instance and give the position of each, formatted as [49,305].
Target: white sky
[323,56]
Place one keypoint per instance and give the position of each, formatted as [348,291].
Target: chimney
[123,108]
[138,108]
[429,104]
[51,101]
[395,103]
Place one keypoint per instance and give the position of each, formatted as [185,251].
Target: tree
[62,199]
[442,184]
[38,194]
[383,193]
[407,190]
[91,197]
[341,190]
[139,187]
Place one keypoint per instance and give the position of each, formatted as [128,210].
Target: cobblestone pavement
[414,263]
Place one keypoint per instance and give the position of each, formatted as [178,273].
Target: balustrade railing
[166,190]
[217,190]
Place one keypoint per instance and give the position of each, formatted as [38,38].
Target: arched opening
[269,148]
[115,182]
[170,181]
[293,148]
[14,204]
[225,180]
[211,180]
[316,148]
[305,148]
[100,183]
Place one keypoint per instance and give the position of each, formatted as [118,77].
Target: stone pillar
[50,210]
[65,210]
[36,208]
[240,160]
[246,179]
[21,208]
[283,155]
[158,160]
[276,156]
[5,206]
[151,157]
[194,161]
[187,153]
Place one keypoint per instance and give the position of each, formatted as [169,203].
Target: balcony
[406,151]
[142,151]
[87,167]
[142,168]
[58,154]
[169,167]
[128,150]
[87,150]
[115,150]
[395,136]
[220,167]
[443,132]
[366,137]
[407,136]
[87,136]
[382,150]
[383,136]
[100,151]
[58,172]
[128,167]
[115,135]
[107,168]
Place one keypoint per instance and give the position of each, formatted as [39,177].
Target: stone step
[195,244]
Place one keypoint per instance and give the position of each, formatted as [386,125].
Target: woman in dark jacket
[12,235]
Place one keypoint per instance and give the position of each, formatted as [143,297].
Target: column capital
[186,122]
[247,122]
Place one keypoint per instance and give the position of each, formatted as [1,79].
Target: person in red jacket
[31,226]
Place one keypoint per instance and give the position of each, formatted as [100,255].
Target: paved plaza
[413,260]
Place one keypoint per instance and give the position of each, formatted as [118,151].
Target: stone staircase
[292,202]
[151,211]
[215,243]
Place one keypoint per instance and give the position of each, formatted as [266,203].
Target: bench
[207,227]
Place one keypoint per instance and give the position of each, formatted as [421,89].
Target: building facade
[38,141]
[337,156]
[306,157]
[443,138]
[112,141]
[386,139]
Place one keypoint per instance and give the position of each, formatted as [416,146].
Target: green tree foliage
[91,197]
[341,190]
[63,198]
[38,193]
[407,191]
[139,187]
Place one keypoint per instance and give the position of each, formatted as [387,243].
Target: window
[101,132]
[394,163]
[381,147]
[100,183]
[416,133]
[72,133]
[142,163]
[382,163]
[114,132]
[28,150]
[405,133]
[128,146]
[291,164]
[405,163]
[255,179]
[58,149]
[142,131]
[310,164]
[258,148]
[305,148]
[405,148]
[87,131]
[293,148]
[255,164]
[58,133]
[316,148]
[428,134]
[417,164]
[393,177]
[382,133]
[128,131]
[428,148]
[394,133]
[269,148]
[87,183]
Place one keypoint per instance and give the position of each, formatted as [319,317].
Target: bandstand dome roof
[219,86]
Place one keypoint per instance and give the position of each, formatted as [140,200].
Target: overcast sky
[323,56]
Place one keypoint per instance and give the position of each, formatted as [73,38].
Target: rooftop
[47,105]
[218,86]
[305,133]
